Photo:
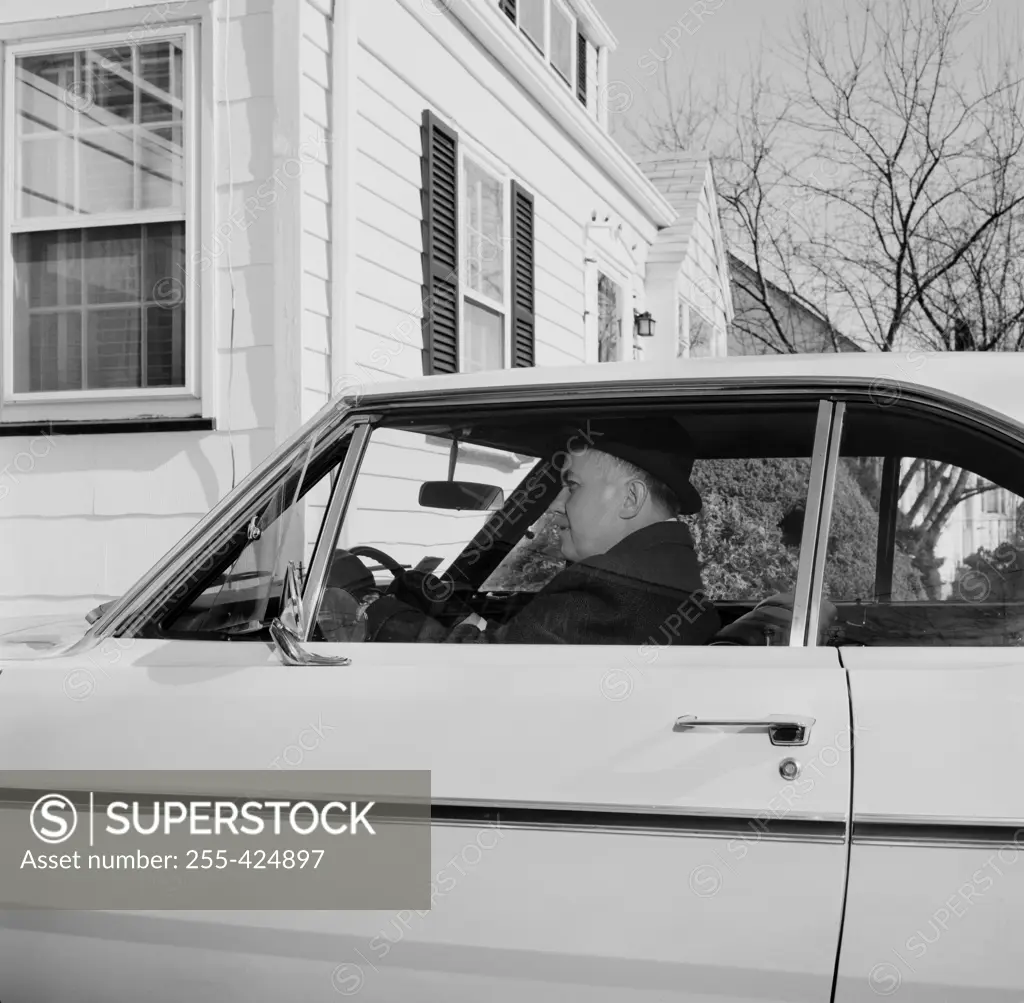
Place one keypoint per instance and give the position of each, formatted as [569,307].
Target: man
[633,576]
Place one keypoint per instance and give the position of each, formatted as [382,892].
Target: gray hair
[660,493]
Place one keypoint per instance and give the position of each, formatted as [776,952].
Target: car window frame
[983,420]
[133,611]
[810,569]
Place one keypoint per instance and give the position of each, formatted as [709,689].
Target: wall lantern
[643,324]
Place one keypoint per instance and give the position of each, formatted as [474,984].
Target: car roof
[991,379]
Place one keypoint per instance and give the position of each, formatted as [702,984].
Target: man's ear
[633,501]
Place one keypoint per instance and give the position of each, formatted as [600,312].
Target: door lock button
[789,769]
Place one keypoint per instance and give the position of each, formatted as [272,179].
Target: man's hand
[474,621]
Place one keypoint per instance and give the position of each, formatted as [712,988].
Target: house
[769,319]
[688,289]
[218,213]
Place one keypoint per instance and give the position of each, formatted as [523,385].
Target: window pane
[106,171]
[100,130]
[531,20]
[918,552]
[49,88]
[561,41]
[484,340]
[119,288]
[112,265]
[701,334]
[48,175]
[54,357]
[239,596]
[115,348]
[483,212]
[109,73]
[609,320]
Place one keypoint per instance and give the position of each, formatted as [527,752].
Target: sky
[716,36]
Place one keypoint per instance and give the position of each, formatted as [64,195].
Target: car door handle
[782,729]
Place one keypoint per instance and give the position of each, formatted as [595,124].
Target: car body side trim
[802,828]
[895,830]
[547,816]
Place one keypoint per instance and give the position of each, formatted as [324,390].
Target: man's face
[588,510]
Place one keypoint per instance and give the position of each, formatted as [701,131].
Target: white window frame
[470,151]
[544,51]
[124,403]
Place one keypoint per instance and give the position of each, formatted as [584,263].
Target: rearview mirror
[462,495]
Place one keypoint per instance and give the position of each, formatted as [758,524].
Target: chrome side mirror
[288,630]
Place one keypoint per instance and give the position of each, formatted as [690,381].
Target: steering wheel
[390,563]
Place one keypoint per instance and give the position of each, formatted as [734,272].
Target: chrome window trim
[824,524]
[834,388]
[812,513]
[316,580]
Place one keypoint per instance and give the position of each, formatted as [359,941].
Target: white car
[823,803]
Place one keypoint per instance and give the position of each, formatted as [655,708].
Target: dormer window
[531,20]
[554,31]
[562,32]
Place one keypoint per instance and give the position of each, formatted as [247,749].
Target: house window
[994,500]
[531,20]
[484,283]
[696,333]
[609,319]
[97,237]
[562,36]
[553,29]
[701,334]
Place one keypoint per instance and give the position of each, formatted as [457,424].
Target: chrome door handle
[783,729]
[289,647]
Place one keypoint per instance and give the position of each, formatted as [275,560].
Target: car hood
[40,636]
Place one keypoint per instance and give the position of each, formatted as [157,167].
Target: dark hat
[659,446]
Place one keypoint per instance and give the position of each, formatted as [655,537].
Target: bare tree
[979,305]
[887,190]
[886,193]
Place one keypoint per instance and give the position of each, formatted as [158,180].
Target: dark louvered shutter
[523,311]
[581,68]
[440,201]
[509,8]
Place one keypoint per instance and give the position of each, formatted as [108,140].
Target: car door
[933,655]
[608,821]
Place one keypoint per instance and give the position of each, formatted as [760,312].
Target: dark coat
[646,590]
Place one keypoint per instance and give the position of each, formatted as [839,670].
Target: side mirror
[461,495]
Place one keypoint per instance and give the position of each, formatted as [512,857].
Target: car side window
[934,508]
[236,591]
[456,520]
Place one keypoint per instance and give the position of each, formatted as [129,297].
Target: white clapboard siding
[315,102]
[376,281]
[401,69]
